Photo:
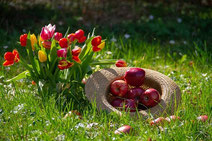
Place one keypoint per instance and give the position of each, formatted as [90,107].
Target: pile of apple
[128,94]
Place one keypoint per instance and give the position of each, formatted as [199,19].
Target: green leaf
[104,62]
[19,76]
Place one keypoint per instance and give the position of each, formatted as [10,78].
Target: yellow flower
[42,56]
[40,41]
[33,41]
[102,45]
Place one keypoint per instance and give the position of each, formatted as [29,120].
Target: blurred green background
[178,23]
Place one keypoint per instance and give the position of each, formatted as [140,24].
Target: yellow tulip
[33,40]
[102,45]
[40,41]
[42,56]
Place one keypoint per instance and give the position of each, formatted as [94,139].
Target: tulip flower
[11,57]
[47,32]
[76,58]
[23,40]
[63,43]
[58,36]
[33,83]
[47,44]
[96,41]
[42,56]
[76,51]
[33,40]
[79,34]
[121,63]
[102,45]
[81,40]
[96,49]
[62,52]
[71,37]
[64,64]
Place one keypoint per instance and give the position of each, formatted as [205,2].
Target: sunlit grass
[23,115]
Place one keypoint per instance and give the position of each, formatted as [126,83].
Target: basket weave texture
[98,85]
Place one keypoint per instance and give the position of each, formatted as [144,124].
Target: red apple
[134,76]
[135,93]
[119,88]
[117,103]
[124,129]
[150,97]
[130,104]
[127,104]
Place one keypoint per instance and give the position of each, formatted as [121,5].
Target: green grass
[24,116]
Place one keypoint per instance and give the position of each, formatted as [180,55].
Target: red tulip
[63,43]
[79,34]
[96,49]
[121,63]
[96,41]
[23,40]
[76,51]
[71,37]
[58,36]
[47,44]
[11,57]
[64,64]
[81,40]
[62,52]
[76,58]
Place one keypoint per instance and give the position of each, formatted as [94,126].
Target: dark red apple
[124,129]
[119,88]
[117,103]
[134,76]
[130,105]
[127,104]
[135,93]
[150,97]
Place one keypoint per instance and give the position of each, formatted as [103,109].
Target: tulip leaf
[19,76]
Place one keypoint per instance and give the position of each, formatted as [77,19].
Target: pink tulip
[47,32]
[62,52]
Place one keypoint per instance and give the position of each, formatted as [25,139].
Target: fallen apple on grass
[124,129]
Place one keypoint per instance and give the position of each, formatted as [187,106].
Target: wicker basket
[97,90]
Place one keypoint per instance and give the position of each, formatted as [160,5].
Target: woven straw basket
[98,85]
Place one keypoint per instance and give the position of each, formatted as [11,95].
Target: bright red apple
[135,93]
[119,88]
[134,76]
[150,97]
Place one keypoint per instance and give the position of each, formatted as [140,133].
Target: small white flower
[91,125]
[184,42]
[113,39]
[172,42]
[60,138]
[109,52]
[204,74]
[151,17]
[179,20]
[126,36]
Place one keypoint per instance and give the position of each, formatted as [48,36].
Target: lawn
[179,49]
